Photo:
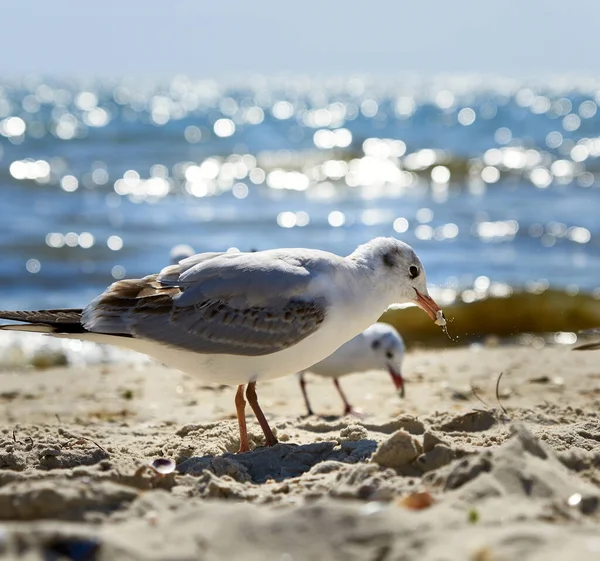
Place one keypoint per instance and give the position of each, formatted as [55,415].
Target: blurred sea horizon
[494,181]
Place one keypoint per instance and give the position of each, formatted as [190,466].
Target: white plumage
[379,347]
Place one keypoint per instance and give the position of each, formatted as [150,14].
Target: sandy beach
[438,475]
[435,167]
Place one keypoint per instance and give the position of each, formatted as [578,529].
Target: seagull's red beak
[427,304]
[397,379]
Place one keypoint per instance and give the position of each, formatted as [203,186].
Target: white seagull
[237,318]
[379,347]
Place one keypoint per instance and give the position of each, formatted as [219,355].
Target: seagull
[238,318]
[379,347]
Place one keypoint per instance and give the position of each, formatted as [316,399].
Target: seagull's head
[398,269]
[387,351]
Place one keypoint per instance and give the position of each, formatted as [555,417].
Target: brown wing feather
[45,321]
[145,308]
[50,317]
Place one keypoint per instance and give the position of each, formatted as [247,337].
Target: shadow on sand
[279,462]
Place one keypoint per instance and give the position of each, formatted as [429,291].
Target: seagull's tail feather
[45,321]
[587,347]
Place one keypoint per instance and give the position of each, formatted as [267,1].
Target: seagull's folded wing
[232,303]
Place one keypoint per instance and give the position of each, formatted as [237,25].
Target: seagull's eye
[389,354]
[413,271]
[375,345]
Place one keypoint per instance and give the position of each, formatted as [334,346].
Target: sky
[225,39]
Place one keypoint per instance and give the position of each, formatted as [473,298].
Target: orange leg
[303,388]
[348,409]
[260,416]
[240,405]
